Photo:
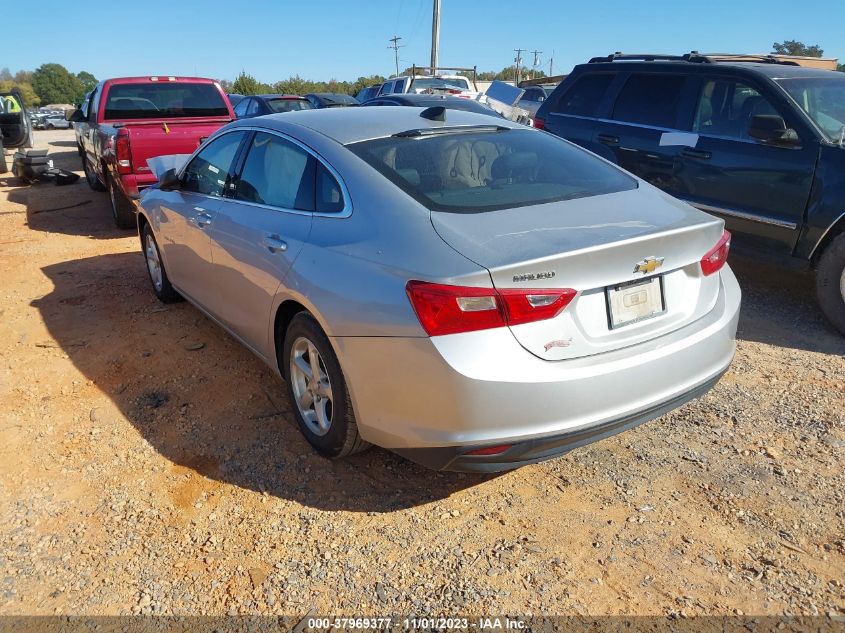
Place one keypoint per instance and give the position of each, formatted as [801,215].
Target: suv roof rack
[694,57]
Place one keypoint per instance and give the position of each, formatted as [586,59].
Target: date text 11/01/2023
[414,623]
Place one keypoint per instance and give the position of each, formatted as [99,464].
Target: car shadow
[73,209]
[204,402]
[779,307]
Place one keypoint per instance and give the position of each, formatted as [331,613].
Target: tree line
[47,84]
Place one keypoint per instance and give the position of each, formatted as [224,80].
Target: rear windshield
[474,171]
[289,105]
[440,82]
[164,100]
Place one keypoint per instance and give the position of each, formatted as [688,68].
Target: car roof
[350,125]
[772,71]
[163,79]
[423,99]
[277,96]
[328,94]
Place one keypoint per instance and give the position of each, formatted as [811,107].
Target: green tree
[54,84]
[794,47]
[88,81]
[246,85]
[29,97]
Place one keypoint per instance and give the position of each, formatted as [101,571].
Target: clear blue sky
[344,39]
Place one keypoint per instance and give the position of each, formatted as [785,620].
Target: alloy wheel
[312,388]
[153,262]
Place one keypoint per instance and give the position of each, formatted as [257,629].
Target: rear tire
[91,175]
[122,208]
[321,406]
[830,282]
[162,288]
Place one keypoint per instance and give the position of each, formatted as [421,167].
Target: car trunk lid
[601,247]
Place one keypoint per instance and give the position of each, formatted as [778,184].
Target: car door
[259,231]
[571,111]
[641,133]
[15,126]
[187,215]
[760,189]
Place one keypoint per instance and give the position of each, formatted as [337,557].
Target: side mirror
[169,181]
[77,116]
[771,128]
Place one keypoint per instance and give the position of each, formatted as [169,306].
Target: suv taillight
[540,124]
[717,256]
[444,309]
[123,154]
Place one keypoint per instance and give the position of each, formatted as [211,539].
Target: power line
[518,60]
[396,46]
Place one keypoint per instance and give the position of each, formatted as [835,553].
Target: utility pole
[435,37]
[536,62]
[518,60]
[551,64]
[396,46]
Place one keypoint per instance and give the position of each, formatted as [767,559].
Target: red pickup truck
[125,121]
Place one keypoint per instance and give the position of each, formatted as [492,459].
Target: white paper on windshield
[160,164]
[679,138]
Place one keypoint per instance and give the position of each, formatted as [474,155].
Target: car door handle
[201,219]
[696,153]
[274,243]
[608,139]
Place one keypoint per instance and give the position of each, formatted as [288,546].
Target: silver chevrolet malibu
[470,293]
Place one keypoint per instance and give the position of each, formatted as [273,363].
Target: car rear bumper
[432,400]
[133,184]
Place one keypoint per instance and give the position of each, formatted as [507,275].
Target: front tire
[830,282]
[155,268]
[317,390]
[122,209]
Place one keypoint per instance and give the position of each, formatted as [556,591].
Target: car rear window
[650,100]
[164,100]
[289,105]
[440,82]
[476,170]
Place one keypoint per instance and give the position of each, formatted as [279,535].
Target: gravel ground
[150,464]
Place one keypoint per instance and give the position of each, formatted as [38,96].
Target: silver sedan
[462,290]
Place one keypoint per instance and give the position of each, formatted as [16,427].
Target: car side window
[240,109]
[278,173]
[92,104]
[254,108]
[209,170]
[329,197]
[585,95]
[650,99]
[726,107]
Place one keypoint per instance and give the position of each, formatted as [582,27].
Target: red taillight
[716,256]
[124,155]
[444,309]
[489,450]
[540,124]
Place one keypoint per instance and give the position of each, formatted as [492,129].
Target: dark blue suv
[754,140]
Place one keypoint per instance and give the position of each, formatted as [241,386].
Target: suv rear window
[476,170]
[584,97]
[164,100]
[650,100]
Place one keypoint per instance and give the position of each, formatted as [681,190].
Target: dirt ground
[140,474]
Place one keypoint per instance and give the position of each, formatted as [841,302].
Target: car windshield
[823,98]
[423,83]
[289,105]
[164,100]
[484,169]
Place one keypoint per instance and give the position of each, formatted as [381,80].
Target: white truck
[458,82]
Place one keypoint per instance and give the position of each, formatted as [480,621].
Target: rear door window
[650,100]
[329,194]
[585,95]
[210,170]
[277,173]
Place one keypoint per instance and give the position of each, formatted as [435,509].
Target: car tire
[162,287]
[50,126]
[91,175]
[322,408]
[80,151]
[830,282]
[122,209]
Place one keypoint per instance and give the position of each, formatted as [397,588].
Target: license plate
[635,301]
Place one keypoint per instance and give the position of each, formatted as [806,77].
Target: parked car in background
[331,100]
[458,85]
[128,120]
[533,97]
[259,105]
[56,122]
[235,99]
[546,298]
[754,140]
[427,101]
[15,125]
[367,93]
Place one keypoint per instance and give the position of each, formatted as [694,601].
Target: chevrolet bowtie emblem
[648,265]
